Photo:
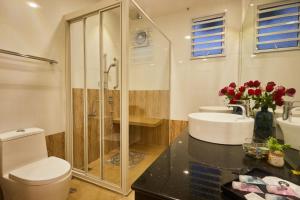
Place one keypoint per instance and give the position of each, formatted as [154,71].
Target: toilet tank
[21,147]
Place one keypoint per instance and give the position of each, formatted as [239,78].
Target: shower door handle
[117,73]
[105,77]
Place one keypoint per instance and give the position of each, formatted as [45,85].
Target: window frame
[208,17]
[256,26]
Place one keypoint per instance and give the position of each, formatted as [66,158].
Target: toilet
[27,173]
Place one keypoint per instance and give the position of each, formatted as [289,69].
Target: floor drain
[72,190]
[134,158]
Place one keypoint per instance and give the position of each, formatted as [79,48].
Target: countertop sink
[220,128]
[216,109]
[291,131]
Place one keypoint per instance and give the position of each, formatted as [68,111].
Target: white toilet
[27,173]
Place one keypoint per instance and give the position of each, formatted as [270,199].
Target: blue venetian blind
[208,36]
[278,27]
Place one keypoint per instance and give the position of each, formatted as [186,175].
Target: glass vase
[263,126]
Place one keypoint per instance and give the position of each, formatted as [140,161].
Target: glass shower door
[86,85]
[95,53]
[111,54]
[93,87]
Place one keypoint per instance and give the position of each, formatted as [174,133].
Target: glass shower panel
[92,63]
[78,91]
[149,91]
[95,66]
[111,52]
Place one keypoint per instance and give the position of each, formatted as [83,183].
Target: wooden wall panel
[78,127]
[111,111]
[142,104]
[93,125]
[150,104]
[56,145]
[176,128]
[149,135]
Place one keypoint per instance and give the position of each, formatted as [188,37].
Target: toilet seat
[41,172]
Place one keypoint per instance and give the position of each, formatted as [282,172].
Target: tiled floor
[87,191]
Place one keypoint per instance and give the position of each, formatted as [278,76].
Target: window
[277,26]
[208,36]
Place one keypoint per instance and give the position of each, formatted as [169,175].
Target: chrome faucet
[240,106]
[288,106]
[246,104]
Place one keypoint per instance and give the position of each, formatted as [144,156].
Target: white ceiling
[163,7]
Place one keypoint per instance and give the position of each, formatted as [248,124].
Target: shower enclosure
[118,93]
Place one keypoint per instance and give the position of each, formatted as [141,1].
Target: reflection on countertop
[193,169]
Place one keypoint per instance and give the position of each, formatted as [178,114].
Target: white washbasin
[291,131]
[220,128]
[218,109]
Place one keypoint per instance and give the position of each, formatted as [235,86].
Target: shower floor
[142,156]
[135,158]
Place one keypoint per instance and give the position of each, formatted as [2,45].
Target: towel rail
[28,56]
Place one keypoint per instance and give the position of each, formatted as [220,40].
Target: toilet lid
[41,172]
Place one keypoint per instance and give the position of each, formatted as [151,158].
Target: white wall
[197,82]
[32,92]
[281,67]
[149,67]
[111,48]
[112,44]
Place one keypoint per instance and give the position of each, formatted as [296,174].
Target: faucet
[246,105]
[240,106]
[288,107]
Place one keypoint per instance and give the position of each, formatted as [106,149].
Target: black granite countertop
[193,169]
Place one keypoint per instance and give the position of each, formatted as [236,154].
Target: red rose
[230,91]
[257,92]
[223,91]
[276,96]
[238,96]
[290,92]
[233,85]
[279,102]
[269,88]
[250,84]
[271,83]
[232,101]
[251,92]
[280,90]
[242,89]
[256,83]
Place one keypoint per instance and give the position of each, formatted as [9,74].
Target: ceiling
[163,7]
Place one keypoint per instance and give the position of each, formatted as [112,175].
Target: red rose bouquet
[270,95]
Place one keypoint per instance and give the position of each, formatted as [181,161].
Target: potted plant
[276,152]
